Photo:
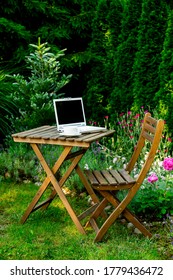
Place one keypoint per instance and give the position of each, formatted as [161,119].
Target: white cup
[71,130]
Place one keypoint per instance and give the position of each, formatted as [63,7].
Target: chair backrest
[151,132]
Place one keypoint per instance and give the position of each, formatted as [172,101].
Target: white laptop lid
[68,112]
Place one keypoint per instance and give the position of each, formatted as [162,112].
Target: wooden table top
[49,135]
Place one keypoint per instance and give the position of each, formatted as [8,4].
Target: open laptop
[70,112]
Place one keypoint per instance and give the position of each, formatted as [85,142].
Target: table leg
[57,186]
[32,206]
[75,158]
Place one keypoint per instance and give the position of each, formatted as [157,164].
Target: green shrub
[154,200]
[34,93]
[164,96]
[7,106]
[18,163]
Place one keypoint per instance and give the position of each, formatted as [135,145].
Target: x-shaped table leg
[32,206]
[75,158]
[57,185]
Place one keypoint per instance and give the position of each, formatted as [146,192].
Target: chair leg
[96,213]
[130,216]
[100,208]
[120,207]
[133,219]
[104,228]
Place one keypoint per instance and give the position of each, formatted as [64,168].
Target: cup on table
[71,130]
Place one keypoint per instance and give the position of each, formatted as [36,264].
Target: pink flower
[152,178]
[169,139]
[137,116]
[168,163]
[106,117]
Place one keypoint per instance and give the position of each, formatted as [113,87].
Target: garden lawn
[51,234]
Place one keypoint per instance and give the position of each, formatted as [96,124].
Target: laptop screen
[69,111]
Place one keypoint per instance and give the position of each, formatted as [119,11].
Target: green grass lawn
[51,234]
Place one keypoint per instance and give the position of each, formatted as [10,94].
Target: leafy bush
[164,96]
[7,107]
[155,198]
[20,163]
[34,94]
[17,163]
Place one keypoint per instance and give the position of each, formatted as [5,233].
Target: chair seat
[110,179]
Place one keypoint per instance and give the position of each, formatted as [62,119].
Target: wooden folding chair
[109,182]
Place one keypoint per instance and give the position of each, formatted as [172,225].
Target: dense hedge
[119,51]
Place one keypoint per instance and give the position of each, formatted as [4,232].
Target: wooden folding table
[49,135]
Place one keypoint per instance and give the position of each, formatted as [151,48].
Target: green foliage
[164,96]
[18,163]
[152,25]
[114,49]
[34,94]
[13,32]
[121,96]
[105,30]
[96,84]
[7,107]
[154,200]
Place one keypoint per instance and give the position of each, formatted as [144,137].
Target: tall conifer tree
[94,96]
[106,27]
[121,97]
[63,24]
[164,96]
[152,25]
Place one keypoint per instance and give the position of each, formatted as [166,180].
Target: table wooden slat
[44,134]
[30,131]
[49,135]
[99,136]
